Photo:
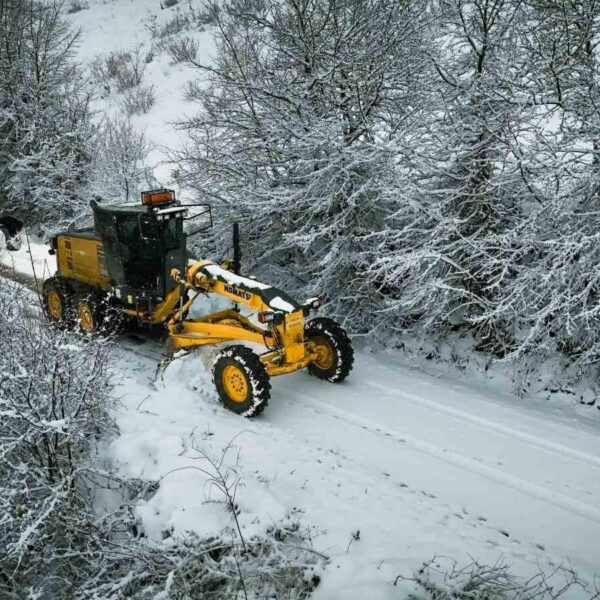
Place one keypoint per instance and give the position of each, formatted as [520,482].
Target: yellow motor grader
[133,263]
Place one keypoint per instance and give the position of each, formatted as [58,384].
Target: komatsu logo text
[237,292]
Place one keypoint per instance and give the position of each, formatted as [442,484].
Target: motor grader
[133,264]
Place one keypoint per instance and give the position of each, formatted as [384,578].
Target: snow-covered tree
[556,292]
[120,161]
[44,116]
[54,402]
[307,105]
[469,194]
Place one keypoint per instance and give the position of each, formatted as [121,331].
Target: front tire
[95,314]
[241,380]
[335,356]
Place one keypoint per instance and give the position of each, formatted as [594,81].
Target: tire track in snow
[555,498]
[531,439]
[571,505]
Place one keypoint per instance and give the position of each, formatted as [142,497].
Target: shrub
[184,49]
[442,579]
[139,100]
[76,6]
[55,408]
[123,69]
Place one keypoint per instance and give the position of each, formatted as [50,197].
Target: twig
[37,287]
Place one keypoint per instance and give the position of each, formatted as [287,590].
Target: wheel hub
[54,305]
[85,316]
[235,383]
[325,353]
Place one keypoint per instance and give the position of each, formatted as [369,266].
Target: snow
[418,465]
[59,425]
[20,261]
[217,272]
[280,304]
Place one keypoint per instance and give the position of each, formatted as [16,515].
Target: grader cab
[133,263]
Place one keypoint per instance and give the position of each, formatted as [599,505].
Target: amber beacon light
[155,197]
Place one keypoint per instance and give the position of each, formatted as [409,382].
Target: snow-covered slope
[419,466]
[123,25]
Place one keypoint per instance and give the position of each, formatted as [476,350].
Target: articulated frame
[286,349]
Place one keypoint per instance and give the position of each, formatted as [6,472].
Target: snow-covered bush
[54,404]
[184,18]
[125,70]
[442,579]
[76,5]
[182,49]
[278,564]
[176,24]
[138,100]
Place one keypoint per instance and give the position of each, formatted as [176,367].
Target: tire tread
[343,346]
[254,368]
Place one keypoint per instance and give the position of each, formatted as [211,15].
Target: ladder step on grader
[133,264]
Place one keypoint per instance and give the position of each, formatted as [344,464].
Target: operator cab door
[141,252]
[162,237]
[105,226]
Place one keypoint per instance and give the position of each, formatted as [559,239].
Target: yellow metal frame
[286,350]
[82,259]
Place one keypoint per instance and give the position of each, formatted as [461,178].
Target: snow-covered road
[419,465]
[536,478]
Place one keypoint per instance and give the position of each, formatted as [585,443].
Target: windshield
[144,233]
[172,231]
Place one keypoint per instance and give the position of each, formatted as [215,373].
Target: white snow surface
[216,272]
[421,466]
[280,304]
[20,261]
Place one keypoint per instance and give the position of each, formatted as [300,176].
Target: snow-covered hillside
[126,25]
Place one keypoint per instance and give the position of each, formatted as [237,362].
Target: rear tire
[95,314]
[241,380]
[56,302]
[88,313]
[334,349]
